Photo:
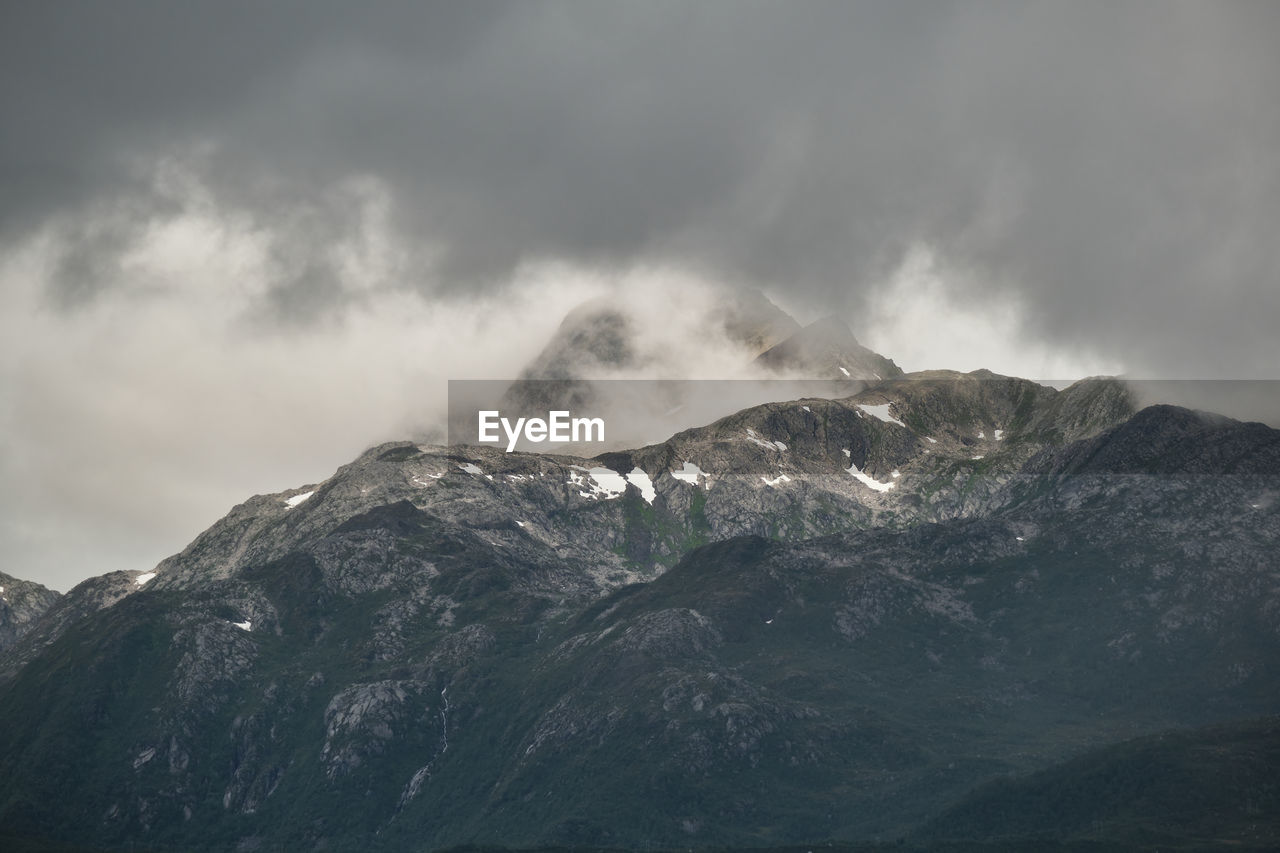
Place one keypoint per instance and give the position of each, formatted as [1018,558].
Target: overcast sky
[240,241]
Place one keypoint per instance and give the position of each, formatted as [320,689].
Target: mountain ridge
[22,604]
[817,618]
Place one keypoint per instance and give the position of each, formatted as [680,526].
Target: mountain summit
[606,337]
[739,335]
[593,339]
[826,349]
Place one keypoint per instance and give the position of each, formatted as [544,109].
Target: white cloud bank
[926,315]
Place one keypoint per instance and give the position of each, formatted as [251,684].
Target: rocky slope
[61,612]
[1136,793]
[22,603]
[820,618]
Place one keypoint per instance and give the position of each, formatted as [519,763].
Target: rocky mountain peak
[827,349]
[594,337]
[602,336]
[751,319]
[22,603]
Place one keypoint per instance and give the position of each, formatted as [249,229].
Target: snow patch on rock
[754,438]
[689,473]
[641,481]
[597,483]
[881,412]
[869,481]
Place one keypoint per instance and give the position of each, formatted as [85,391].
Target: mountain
[918,612]
[752,320]
[602,336]
[1137,792]
[22,603]
[62,612]
[595,337]
[606,339]
[827,349]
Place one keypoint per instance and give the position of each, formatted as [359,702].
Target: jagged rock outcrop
[65,611]
[22,603]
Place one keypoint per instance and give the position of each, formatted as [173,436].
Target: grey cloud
[1114,164]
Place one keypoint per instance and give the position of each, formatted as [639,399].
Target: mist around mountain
[942,611]
[639,338]
[827,349]
[739,337]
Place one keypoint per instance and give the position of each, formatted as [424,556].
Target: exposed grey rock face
[1170,440]
[782,467]
[777,469]
[362,721]
[22,603]
[61,612]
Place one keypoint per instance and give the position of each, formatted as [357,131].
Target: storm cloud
[1097,185]
[1114,164]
